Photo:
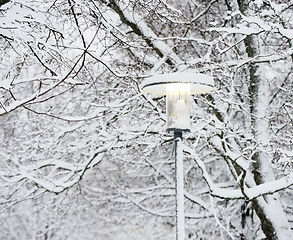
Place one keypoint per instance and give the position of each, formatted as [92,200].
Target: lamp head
[178,87]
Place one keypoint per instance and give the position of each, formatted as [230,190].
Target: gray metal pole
[179,185]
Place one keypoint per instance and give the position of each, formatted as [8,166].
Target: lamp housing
[178,87]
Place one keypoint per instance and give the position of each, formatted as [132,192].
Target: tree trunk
[273,226]
[268,208]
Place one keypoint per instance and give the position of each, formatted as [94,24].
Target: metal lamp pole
[179,185]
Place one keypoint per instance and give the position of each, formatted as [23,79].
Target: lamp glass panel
[177,106]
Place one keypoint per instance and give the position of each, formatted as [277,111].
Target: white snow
[286,32]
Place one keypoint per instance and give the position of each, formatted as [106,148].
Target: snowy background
[83,150]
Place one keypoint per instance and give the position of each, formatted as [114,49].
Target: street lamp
[178,87]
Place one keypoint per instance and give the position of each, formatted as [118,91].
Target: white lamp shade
[199,83]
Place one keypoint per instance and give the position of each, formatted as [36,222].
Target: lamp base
[177,135]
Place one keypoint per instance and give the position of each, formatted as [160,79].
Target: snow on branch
[138,25]
[19,103]
[250,190]
[270,187]
[71,173]
[214,189]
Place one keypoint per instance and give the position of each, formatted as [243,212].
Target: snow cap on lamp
[178,87]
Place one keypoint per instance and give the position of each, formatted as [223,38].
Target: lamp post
[178,87]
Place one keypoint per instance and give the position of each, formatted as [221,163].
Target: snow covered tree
[84,153]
